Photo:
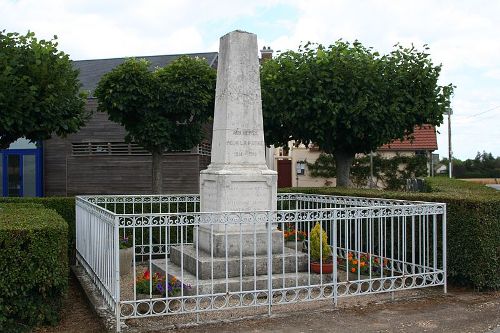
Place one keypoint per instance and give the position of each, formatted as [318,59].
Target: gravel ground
[458,311]
[77,316]
[426,310]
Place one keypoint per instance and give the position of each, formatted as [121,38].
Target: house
[291,163]
[97,160]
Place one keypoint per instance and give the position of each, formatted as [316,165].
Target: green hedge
[473,226]
[33,267]
[64,206]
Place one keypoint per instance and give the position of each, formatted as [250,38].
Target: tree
[484,165]
[39,90]
[348,99]
[161,110]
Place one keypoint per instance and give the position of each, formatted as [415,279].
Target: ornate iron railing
[228,260]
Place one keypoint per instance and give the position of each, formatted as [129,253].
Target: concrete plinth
[236,284]
[247,243]
[217,267]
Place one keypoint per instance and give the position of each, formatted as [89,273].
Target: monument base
[248,242]
[218,267]
[292,279]
[238,189]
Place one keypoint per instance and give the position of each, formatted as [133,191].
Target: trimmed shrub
[473,226]
[320,251]
[64,206]
[33,267]
[12,205]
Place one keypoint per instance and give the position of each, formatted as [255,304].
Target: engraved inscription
[209,196]
[244,142]
[250,195]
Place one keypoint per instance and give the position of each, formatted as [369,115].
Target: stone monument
[237,178]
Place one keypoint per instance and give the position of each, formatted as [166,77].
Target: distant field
[483,180]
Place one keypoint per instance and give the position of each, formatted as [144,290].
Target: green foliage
[348,99]
[164,109]
[64,206]
[484,165]
[473,226]
[39,90]
[323,167]
[392,172]
[319,244]
[33,267]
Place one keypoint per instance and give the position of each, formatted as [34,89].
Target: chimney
[266,53]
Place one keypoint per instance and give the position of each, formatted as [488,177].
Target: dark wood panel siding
[54,166]
[130,174]
[65,174]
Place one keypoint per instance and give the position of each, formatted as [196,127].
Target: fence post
[116,252]
[270,260]
[444,250]
[335,258]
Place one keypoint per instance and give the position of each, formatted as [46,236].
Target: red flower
[146,275]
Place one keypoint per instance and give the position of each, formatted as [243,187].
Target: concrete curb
[95,299]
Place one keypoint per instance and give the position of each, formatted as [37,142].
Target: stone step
[237,284]
[292,260]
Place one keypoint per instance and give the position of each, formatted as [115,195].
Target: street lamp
[449,112]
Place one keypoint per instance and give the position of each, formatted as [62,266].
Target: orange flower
[354,262]
[363,264]
[173,279]
[353,270]
[146,275]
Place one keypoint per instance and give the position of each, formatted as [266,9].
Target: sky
[463,36]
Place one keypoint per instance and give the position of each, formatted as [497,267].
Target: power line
[483,112]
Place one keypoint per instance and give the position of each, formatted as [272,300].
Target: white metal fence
[183,261]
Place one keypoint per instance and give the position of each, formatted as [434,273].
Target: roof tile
[424,138]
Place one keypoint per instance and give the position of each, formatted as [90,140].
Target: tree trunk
[343,162]
[157,174]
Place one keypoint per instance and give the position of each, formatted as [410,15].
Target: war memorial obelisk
[237,178]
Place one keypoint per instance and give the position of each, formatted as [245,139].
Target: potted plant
[294,238]
[126,255]
[320,252]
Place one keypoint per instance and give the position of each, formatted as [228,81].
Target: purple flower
[159,286]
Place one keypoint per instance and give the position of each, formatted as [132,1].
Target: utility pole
[449,111]
[371,170]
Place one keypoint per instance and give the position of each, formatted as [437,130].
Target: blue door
[21,173]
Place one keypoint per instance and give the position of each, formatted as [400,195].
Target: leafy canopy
[163,109]
[39,90]
[348,99]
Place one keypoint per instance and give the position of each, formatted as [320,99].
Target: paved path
[458,311]
[495,186]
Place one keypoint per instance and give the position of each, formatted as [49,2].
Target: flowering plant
[160,286]
[175,286]
[362,262]
[125,242]
[292,234]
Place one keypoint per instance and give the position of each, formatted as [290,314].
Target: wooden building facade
[97,160]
